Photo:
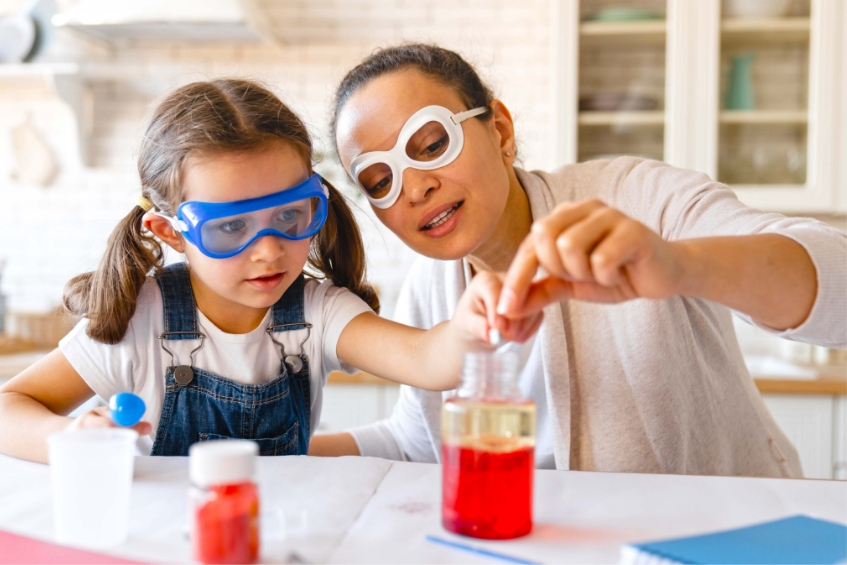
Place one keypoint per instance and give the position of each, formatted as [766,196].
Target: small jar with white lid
[225,501]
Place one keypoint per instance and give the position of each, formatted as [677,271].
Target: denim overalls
[200,405]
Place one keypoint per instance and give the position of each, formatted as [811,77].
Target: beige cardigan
[650,386]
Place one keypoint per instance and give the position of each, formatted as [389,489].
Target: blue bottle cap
[126,409]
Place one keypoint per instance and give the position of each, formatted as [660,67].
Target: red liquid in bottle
[487,494]
[227,525]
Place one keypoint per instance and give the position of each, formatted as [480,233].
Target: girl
[238,341]
[654,383]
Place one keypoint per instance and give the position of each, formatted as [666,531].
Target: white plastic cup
[92,480]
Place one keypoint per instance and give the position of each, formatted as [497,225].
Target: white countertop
[362,510]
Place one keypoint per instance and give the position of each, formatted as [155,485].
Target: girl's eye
[289,215]
[232,226]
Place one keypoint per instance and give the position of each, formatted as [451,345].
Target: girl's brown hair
[448,67]
[203,117]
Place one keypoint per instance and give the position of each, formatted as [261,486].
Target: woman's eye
[232,226]
[381,186]
[434,149]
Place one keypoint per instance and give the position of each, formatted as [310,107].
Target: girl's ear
[161,228]
[505,128]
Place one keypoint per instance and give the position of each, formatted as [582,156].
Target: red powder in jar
[226,525]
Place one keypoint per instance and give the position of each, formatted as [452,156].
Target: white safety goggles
[430,139]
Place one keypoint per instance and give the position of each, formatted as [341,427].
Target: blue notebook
[798,539]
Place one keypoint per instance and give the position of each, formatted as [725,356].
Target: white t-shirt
[138,363]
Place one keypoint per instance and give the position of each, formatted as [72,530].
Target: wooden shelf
[740,32]
[799,117]
[646,32]
[360,378]
[635,118]
[832,379]
[39,70]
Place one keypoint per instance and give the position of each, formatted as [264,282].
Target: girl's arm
[431,359]
[36,403]
[333,445]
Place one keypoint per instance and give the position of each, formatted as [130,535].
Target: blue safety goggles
[223,229]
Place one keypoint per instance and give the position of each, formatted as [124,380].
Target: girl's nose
[267,248]
[417,185]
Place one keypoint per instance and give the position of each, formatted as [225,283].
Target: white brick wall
[47,235]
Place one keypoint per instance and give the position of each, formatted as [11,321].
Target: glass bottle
[225,501]
[488,451]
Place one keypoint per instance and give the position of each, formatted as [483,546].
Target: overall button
[294,363]
[183,375]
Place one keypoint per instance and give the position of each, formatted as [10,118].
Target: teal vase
[739,95]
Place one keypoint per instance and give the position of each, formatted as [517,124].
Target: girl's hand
[476,313]
[590,252]
[99,418]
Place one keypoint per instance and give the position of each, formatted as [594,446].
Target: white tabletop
[354,509]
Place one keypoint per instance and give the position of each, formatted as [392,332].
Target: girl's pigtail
[108,296]
[338,251]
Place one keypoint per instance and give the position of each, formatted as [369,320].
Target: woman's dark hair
[202,118]
[448,67]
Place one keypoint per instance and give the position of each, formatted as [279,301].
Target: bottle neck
[490,375]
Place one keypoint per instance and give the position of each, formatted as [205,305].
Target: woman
[636,367]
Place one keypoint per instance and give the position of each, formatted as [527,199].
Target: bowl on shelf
[755,8]
[616,102]
[17,36]
[624,14]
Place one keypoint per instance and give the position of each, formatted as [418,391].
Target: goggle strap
[176,223]
[462,116]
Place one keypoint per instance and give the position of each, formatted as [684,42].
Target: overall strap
[180,310]
[289,315]
[289,311]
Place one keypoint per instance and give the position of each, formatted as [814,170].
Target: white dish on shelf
[755,8]
[17,36]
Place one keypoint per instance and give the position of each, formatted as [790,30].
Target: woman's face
[472,190]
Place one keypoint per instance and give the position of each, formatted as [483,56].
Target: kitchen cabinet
[808,422]
[347,406]
[839,448]
[817,426]
[757,103]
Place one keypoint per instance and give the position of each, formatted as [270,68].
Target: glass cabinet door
[621,76]
[764,92]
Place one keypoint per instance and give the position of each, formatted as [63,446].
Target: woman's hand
[590,252]
[476,313]
[99,418]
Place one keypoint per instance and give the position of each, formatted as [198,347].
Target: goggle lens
[428,143]
[376,180]
[295,219]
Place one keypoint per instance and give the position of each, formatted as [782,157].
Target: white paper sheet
[317,498]
[579,517]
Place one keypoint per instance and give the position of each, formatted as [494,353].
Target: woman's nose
[417,185]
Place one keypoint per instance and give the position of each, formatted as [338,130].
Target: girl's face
[475,185]
[258,276]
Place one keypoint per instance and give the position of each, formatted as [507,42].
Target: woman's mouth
[441,223]
[267,282]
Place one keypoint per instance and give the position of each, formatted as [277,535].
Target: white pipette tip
[494,337]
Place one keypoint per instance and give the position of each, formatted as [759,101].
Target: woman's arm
[431,359]
[597,253]
[36,403]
